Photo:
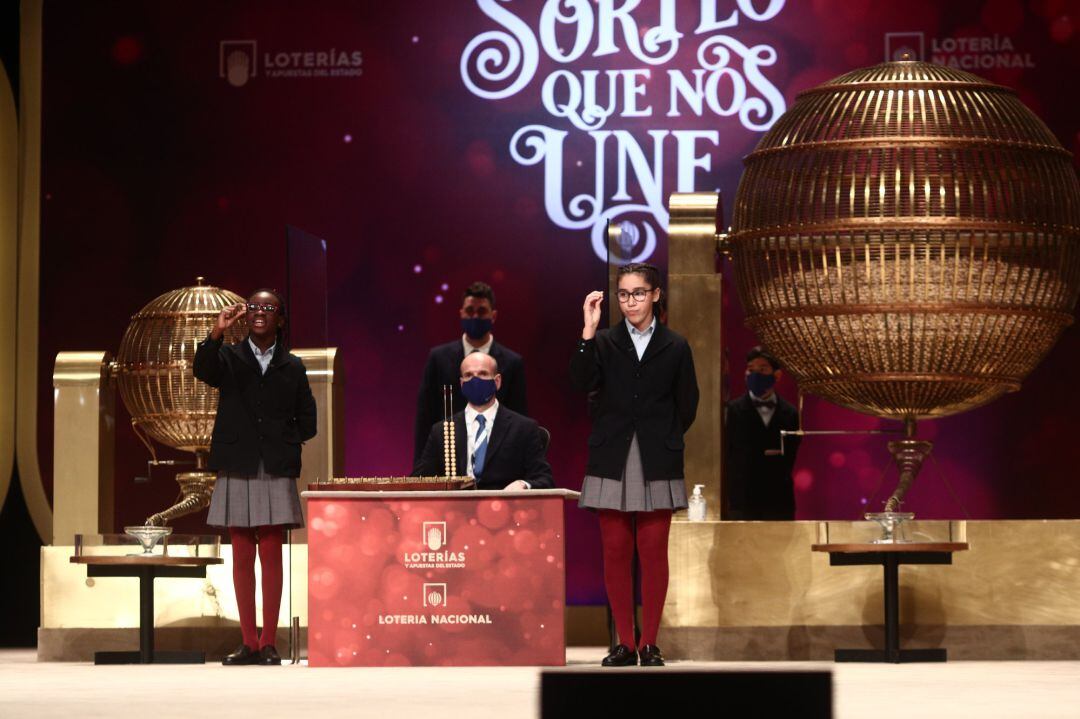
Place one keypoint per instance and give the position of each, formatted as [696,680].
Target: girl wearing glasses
[644,398]
[266,411]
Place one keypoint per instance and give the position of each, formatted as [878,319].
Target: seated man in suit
[499,447]
[759,482]
[478,314]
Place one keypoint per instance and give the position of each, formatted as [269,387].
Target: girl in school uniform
[265,413]
[644,397]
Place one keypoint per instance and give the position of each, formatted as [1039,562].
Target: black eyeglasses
[255,307]
[639,295]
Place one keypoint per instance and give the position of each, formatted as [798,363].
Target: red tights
[617,536]
[244,542]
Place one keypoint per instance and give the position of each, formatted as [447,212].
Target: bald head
[479,364]
[479,372]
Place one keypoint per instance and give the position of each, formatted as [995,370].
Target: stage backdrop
[436,143]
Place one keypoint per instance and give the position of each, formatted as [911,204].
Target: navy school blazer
[655,397]
[260,416]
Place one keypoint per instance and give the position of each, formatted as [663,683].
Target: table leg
[890,563]
[146,615]
[891,573]
[147,654]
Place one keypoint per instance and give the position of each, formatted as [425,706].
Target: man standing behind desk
[759,479]
[499,447]
[478,314]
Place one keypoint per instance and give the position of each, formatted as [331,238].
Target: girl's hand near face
[592,314]
[226,319]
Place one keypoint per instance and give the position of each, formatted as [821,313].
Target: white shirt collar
[472,429]
[641,339]
[263,358]
[489,413]
[765,411]
[259,353]
[635,331]
[485,348]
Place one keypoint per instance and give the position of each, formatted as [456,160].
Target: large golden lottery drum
[154,373]
[905,240]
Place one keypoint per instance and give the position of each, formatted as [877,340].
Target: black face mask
[476,327]
[759,383]
[478,390]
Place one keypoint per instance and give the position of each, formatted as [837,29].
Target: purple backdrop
[180,138]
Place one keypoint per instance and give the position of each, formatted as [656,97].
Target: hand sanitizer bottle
[696,510]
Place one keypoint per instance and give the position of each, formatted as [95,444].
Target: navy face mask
[760,383]
[478,391]
[476,327]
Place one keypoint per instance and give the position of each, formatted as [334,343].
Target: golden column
[84,426]
[323,455]
[694,285]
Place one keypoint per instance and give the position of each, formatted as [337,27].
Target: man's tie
[481,446]
[764,402]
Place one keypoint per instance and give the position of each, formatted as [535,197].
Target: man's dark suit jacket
[444,367]
[260,416]
[515,451]
[656,397]
[759,486]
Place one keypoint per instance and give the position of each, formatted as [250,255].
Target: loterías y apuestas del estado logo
[240,61]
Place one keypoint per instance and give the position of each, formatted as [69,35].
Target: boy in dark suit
[499,447]
[477,314]
[759,483]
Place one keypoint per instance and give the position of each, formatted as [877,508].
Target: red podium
[457,578]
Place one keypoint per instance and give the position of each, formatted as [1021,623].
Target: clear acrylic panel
[306,283]
[306,289]
[927,530]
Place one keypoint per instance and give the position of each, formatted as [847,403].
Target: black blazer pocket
[675,443]
[224,437]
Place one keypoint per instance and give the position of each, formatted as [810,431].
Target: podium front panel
[467,579]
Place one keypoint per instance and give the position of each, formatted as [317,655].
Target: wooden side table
[890,557]
[146,569]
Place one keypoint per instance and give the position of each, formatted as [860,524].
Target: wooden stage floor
[958,689]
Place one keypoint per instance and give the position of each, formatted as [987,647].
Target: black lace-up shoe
[243,655]
[651,656]
[268,656]
[623,656]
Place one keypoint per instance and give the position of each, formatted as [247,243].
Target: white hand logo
[434,538]
[237,68]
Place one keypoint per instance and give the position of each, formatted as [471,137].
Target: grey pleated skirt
[632,493]
[256,501]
